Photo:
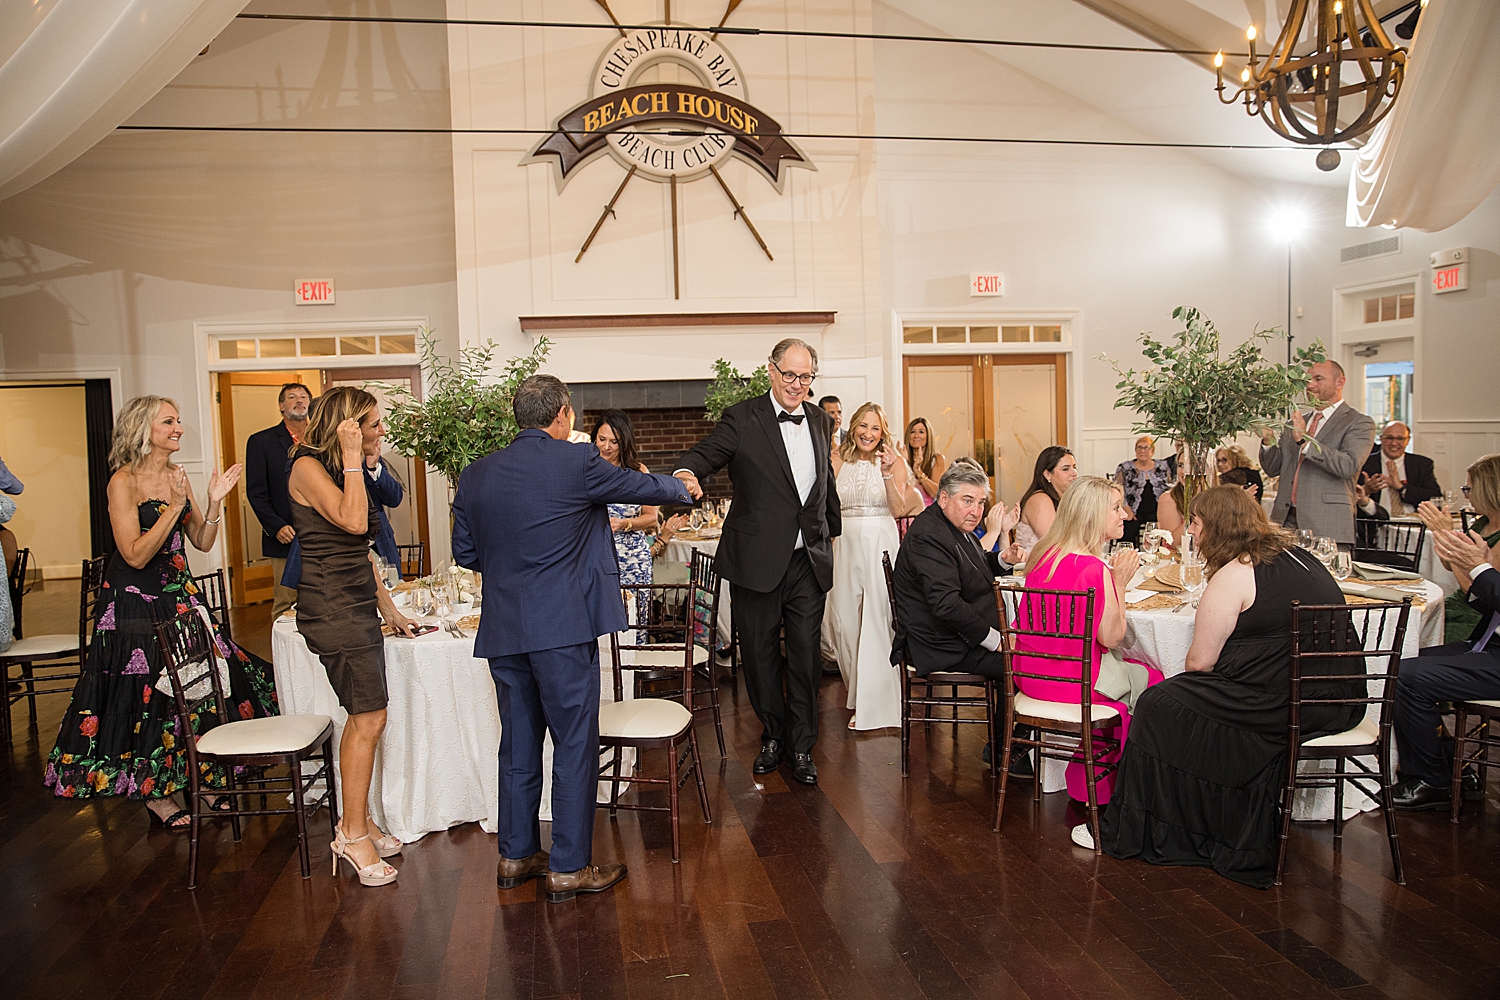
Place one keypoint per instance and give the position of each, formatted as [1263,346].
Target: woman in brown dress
[340,601]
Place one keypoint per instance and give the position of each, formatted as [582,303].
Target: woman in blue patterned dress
[120,733]
[632,524]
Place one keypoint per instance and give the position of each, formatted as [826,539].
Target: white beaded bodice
[862,490]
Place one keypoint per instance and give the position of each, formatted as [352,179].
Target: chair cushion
[660,657]
[643,719]
[1367,732]
[35,646]
[1061,711]
[277,734]
[1472,701]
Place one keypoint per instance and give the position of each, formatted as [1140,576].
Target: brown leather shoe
[563,886]
[509,874]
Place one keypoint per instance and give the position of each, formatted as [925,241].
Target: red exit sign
[1450,279]
[313,292]
[986,284]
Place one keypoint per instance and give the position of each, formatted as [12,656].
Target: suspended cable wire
[999,140]
[728,30]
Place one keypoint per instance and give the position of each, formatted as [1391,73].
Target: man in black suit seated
[944,582]
[1396,480]
[1458,671]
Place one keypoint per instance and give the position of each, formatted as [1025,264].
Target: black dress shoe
[1472,790]
[770,756]
[803,768]
[1414,794]
[1020,760]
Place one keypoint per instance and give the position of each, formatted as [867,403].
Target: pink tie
[1312,428]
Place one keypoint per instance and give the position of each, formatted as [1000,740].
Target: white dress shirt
[799,451]
[1369,505]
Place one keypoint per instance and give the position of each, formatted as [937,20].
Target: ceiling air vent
[1378,248]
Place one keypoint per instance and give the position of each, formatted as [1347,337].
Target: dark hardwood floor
[866,886]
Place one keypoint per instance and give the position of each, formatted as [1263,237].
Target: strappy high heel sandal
[387,846]
[379,873]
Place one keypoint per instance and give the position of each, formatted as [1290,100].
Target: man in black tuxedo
[1396,480]
[777,547]
[267,466]
[944,583]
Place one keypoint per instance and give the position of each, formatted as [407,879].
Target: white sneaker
[1082,837]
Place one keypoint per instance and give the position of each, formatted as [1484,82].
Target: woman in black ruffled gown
[1201,777]
[119,735]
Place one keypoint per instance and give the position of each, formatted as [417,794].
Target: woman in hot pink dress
[1090,515]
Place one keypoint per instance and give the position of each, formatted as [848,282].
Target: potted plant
[465,413]
[1199,397]
[730,387]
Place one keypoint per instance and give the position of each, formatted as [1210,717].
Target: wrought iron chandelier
[1300,97]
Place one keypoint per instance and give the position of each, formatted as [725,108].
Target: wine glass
[422,601]
[391,574]
[1342,566]
[695,519]
[1324,548]
[1192,575]
[1305,539]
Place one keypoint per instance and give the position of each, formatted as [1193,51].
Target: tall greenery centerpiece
[730,387]
[1193,394]
[465,412]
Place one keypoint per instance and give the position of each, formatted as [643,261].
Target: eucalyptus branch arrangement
[730,387]
[1194,394]
[465,412]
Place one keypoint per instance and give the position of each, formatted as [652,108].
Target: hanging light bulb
[1300,97]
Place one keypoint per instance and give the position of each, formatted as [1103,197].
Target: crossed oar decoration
[609,209]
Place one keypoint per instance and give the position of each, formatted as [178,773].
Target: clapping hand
[220,484]
[1460,551]
[672,526]
[888,458]
[1376,483]
[1002,518]
[1299,426]
[1361,495]
[1437,519]
[691,482]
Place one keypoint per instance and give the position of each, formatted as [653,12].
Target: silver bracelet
[214,520]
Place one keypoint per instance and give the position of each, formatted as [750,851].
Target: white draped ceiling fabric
[1436,156]
[74,69]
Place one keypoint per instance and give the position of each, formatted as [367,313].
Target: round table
[438,762]
[1162,638]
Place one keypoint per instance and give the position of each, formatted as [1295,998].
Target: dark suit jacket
[1484,597]
[266,469]
[945,594]
[1325,484]
[1421,480]
[767,513]
[388,492]
[532,518]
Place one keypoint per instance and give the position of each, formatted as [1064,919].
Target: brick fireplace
[667,417]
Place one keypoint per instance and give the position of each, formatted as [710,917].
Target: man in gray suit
[1318,459]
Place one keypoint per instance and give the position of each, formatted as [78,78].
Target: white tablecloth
[1162,639]
[438,762]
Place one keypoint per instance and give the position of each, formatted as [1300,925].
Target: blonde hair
[321,439]
[1236,455]
[1484,484]
[132,438]
[1078,528]
[848,449]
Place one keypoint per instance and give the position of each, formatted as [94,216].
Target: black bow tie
[795,418]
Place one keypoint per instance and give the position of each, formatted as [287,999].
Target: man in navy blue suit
[531,517]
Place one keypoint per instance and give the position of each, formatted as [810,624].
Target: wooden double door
[247,403]
[1000,409]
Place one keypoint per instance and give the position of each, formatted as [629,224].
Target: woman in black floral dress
[120,735]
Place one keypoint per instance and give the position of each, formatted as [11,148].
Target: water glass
[1343,565]
[422,601]
[695,519]
[391,573]
[1192,576]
